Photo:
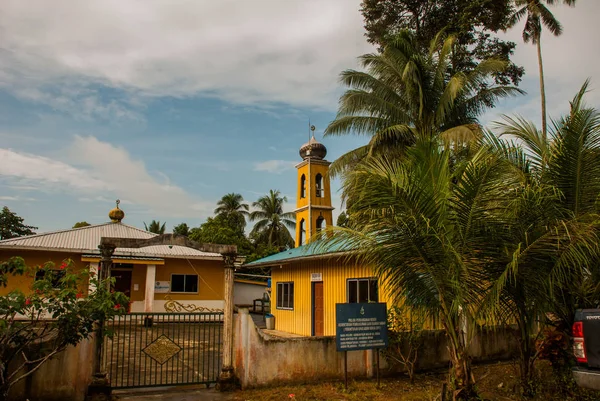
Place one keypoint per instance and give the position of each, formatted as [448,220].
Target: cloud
[130,179]
[16,199]
[82,103]
[274,166]
[49,172]
[98,167]
[248,52]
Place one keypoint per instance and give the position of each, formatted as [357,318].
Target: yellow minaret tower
[313,203]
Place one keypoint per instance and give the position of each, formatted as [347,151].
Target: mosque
[307,281]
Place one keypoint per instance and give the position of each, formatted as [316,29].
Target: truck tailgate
[591,334]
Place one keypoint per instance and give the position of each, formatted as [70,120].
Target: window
[285,295]
[54,278]
[302,233]
[319,185]
[320,223]
[303,186]
[184,283]
[362,290]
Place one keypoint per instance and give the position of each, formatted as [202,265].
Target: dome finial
[116,215]
[313,149]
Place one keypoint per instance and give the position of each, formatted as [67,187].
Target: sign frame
[162,287]
[360,326]
[316,277]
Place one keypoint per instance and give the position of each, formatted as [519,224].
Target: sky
[169,104]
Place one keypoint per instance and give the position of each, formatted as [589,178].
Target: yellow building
[149,276]
[306,281]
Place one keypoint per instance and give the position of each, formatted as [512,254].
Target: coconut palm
[426,230]
[552,238]
[407,92]
[537,15]
[272,222]
[232,207]
[155,227]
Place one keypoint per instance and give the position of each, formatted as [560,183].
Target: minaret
[313,202]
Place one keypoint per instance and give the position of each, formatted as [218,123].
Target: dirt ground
[494,382]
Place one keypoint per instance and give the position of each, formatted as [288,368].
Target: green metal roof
[314,249]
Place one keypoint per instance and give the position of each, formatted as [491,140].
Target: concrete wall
[261,359]
[245,292]
[63,378]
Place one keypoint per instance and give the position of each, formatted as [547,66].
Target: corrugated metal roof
[87,239]
[314,249]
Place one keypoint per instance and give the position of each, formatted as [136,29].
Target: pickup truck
[586,347]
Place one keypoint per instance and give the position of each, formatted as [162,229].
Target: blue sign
[361,326]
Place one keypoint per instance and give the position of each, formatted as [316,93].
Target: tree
[342,220]
[232,207]
[216,230]
[552,246]
[426,229]
[80,224]
[26,344]
[536,15]
[155,227]
[272,222]
[181,229]
[406,93]
[473,22]
[11,225]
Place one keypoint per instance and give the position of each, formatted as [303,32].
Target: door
[122,282]
[318,315]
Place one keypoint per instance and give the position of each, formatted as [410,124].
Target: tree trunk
[542,87]
[461,376]
[527,379]
[526,363]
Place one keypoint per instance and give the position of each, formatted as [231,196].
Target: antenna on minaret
[309,129]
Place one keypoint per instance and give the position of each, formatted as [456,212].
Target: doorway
[122,282]
[318,318]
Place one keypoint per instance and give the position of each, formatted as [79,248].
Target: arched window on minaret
[321,224]
[303,186]
[302,240]
[319,185]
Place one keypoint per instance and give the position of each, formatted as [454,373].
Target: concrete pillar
[93,272]
[226,378]
[99,388]
[149,292]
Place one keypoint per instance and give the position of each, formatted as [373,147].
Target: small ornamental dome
[116,215]
[313,150]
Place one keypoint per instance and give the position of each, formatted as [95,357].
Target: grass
[494,382]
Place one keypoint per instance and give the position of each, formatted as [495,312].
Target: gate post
[100,388]
[227,377]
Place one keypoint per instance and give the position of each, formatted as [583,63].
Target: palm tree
[232,207]
[552,246]
[426,230]
[155,227]
[538,15]
[407,92]
[272,222]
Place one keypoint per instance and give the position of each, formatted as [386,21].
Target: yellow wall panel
[38,258]
[334,273]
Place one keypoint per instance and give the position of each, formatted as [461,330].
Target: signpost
[360,327]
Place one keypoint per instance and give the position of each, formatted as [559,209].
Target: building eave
[316,207]
[286,262]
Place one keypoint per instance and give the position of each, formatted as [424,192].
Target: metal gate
[164,349]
